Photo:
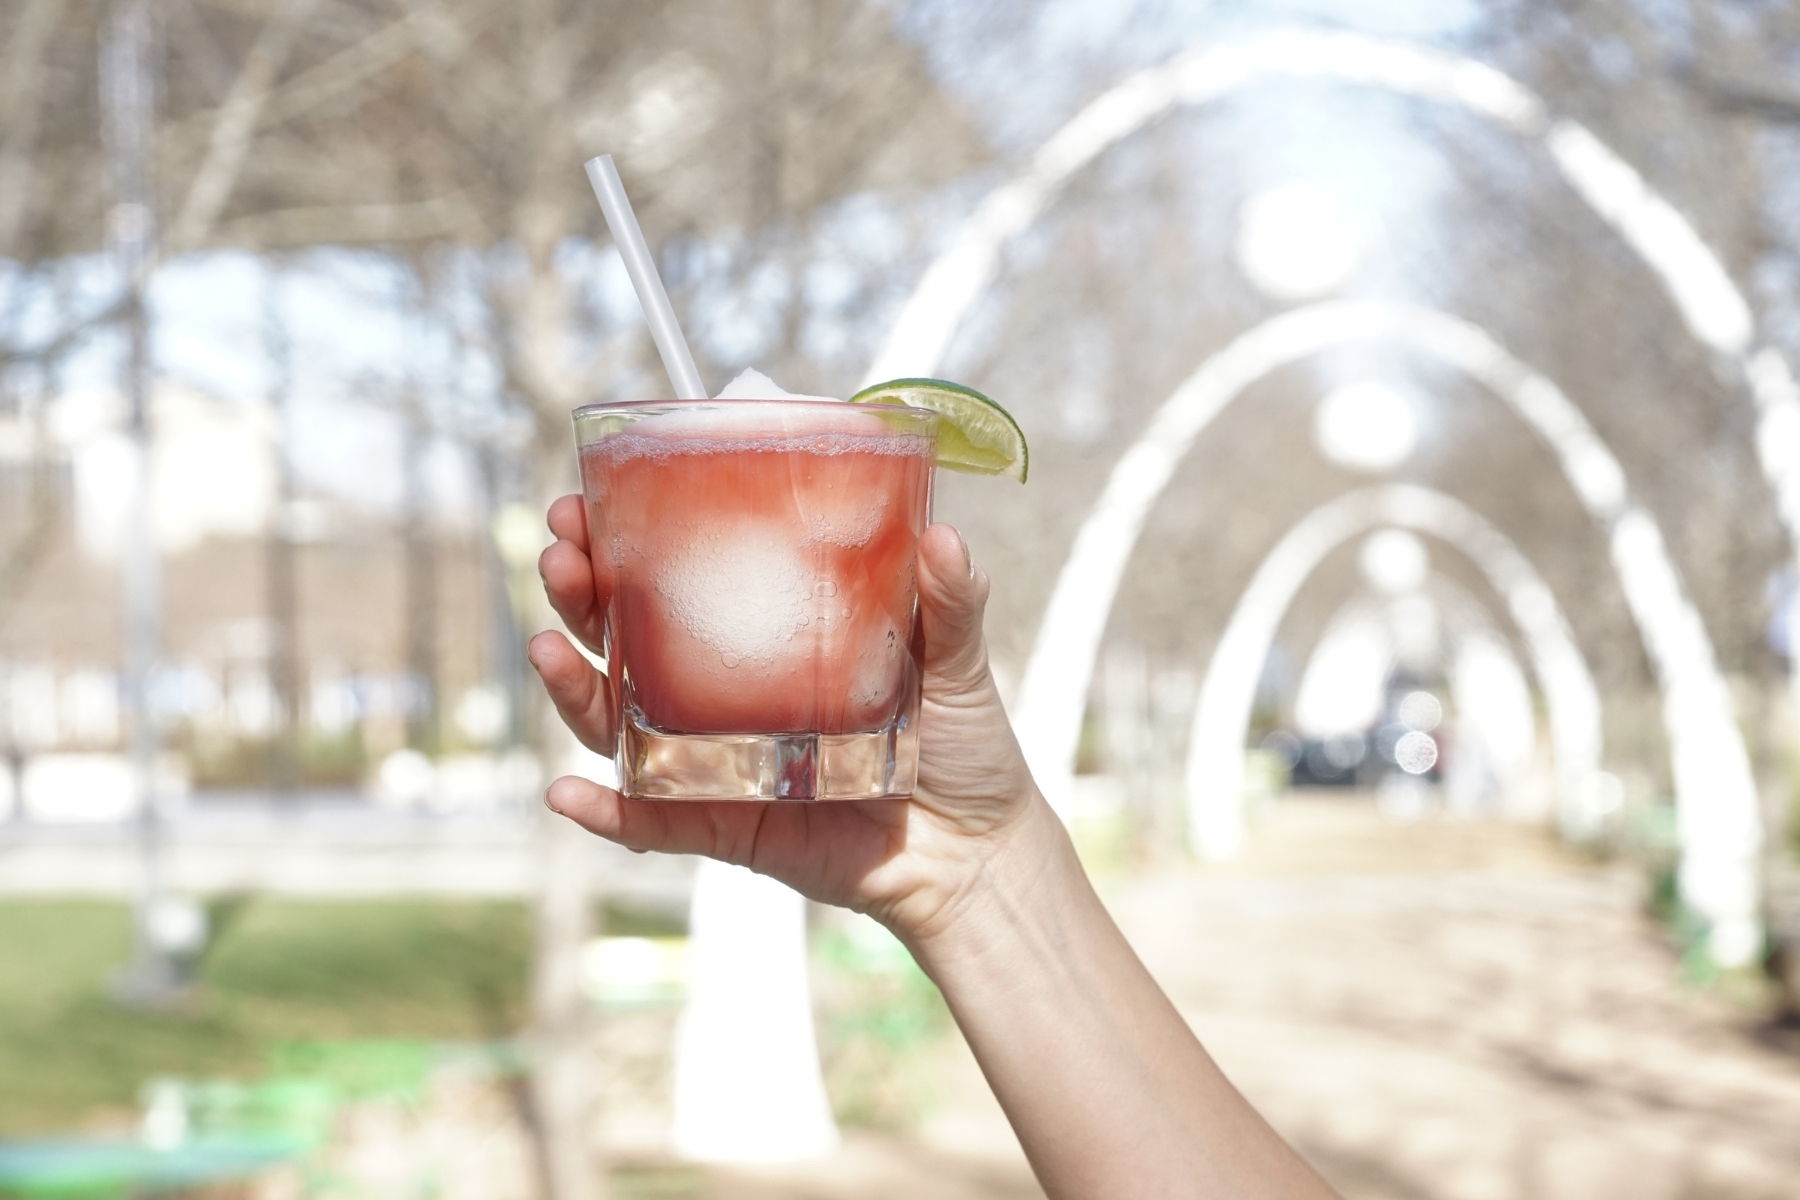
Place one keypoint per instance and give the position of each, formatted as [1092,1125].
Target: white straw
[642,268]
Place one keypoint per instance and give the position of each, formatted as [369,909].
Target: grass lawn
[276,970]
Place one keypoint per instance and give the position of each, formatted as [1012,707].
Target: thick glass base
[654,765]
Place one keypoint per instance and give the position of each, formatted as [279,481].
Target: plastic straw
[644,280]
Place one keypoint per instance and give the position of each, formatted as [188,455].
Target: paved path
[333,846]
[1462,1011]
[1449,1011]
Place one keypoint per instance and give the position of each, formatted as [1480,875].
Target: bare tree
[447,136]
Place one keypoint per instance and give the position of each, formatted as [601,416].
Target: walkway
[1448,1010]
[1463,1012]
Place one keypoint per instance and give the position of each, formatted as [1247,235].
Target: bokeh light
[1366,427]
[1394,561]
[1297,242]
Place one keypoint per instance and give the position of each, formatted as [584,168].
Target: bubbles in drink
[877,673]
[848,526]
[825,430]
[741,590]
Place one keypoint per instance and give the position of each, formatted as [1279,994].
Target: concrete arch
[1215,760]
[1719,822]
[1710,303]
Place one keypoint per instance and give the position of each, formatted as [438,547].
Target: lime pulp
[975,435]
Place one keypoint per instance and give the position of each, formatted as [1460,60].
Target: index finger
[568,520]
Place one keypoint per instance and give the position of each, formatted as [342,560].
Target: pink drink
[756,560]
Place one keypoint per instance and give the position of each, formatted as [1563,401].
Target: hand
[908,863]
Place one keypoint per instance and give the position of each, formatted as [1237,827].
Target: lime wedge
[975,435]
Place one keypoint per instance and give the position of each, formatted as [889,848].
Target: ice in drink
[756,559]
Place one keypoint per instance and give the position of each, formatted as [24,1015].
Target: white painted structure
[1715,792]
[747,1082]
[1710,303]
[1215,761]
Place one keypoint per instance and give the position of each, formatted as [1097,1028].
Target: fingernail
[551,804]
[968,558]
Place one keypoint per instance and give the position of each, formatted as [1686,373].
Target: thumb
[953,593]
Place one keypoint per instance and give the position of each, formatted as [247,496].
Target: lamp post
[280,570]
[128,126]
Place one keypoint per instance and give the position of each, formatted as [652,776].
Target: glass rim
[785,401]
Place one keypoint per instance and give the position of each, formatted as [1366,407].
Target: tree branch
[374,54]
[234,129]
[352,224]
[20,103]
[1765,100]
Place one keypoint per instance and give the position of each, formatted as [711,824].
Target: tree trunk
[562,1091]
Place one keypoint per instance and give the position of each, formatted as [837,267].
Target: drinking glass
[755,560]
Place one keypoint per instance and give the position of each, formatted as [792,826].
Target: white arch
[1720,824]
[1710,303]
[1215,761]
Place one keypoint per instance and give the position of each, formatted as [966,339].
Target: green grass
[277,970]
[879,1017]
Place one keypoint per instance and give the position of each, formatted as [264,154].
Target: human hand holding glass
[901,861]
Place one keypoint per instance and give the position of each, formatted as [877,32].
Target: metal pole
[421,584]
[285,774]
[128,124]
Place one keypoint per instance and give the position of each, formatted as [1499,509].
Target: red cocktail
[756,562]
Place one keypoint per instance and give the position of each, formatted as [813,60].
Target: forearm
[1108,1089]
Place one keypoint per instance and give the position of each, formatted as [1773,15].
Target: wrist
[1016,877]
